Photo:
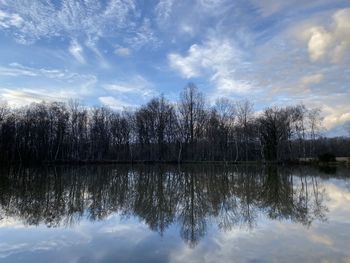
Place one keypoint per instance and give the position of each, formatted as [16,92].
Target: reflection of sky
[118,239]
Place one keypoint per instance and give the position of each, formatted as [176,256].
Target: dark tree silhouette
[189,130]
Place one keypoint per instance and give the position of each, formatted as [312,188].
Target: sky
[121,53]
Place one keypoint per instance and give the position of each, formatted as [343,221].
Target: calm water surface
[175,214]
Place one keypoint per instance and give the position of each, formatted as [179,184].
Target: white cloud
[92,44]
[115,103]
[186,28]
[319,42]
[71,17]
[20,97]
[163,10]
[50,85]
[79,19]
[217,58]
[144,35]
[77,51]
[187,66]
[302,86]
[331,44]
[136,85]
[335,115]
[18,70]
[210,4]
[10,20]
[312,79]
[122,51]
[267,8]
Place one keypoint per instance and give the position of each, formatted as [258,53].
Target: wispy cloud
[89,18]
[20,97]
[136,85]
[115,103]
[273,52]
[312,79]
[216,57]
[77,51]
[144,35]
[18,70]
[79,21]
[50,84]
[122,51]
[163,10]
[8,20]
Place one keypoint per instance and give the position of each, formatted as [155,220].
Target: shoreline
[143,162]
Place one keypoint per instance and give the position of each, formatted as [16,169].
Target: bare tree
[192,115]
[189,130]
[244,118]
[314,119]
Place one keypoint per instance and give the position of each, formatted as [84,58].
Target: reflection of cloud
[268,243]
[74,244]
[8,222]
[340,202]
[6,249]
[134,233]
[322,239]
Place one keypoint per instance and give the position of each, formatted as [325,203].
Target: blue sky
[120,53]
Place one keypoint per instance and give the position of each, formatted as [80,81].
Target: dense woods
[189,130]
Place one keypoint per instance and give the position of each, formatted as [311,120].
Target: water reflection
[191,197]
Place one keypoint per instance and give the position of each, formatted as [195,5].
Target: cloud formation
[216,58]
[60,89]
[114,103]
[77,51]
[122,51]
[33,20]
[329,43]
[273,52]
[136,85]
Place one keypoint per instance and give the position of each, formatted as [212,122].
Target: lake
[161,213]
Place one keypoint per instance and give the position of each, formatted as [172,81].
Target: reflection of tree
[193,208]
[155,199]
[192,196]
[277,194]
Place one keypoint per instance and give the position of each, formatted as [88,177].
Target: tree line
[188,130]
